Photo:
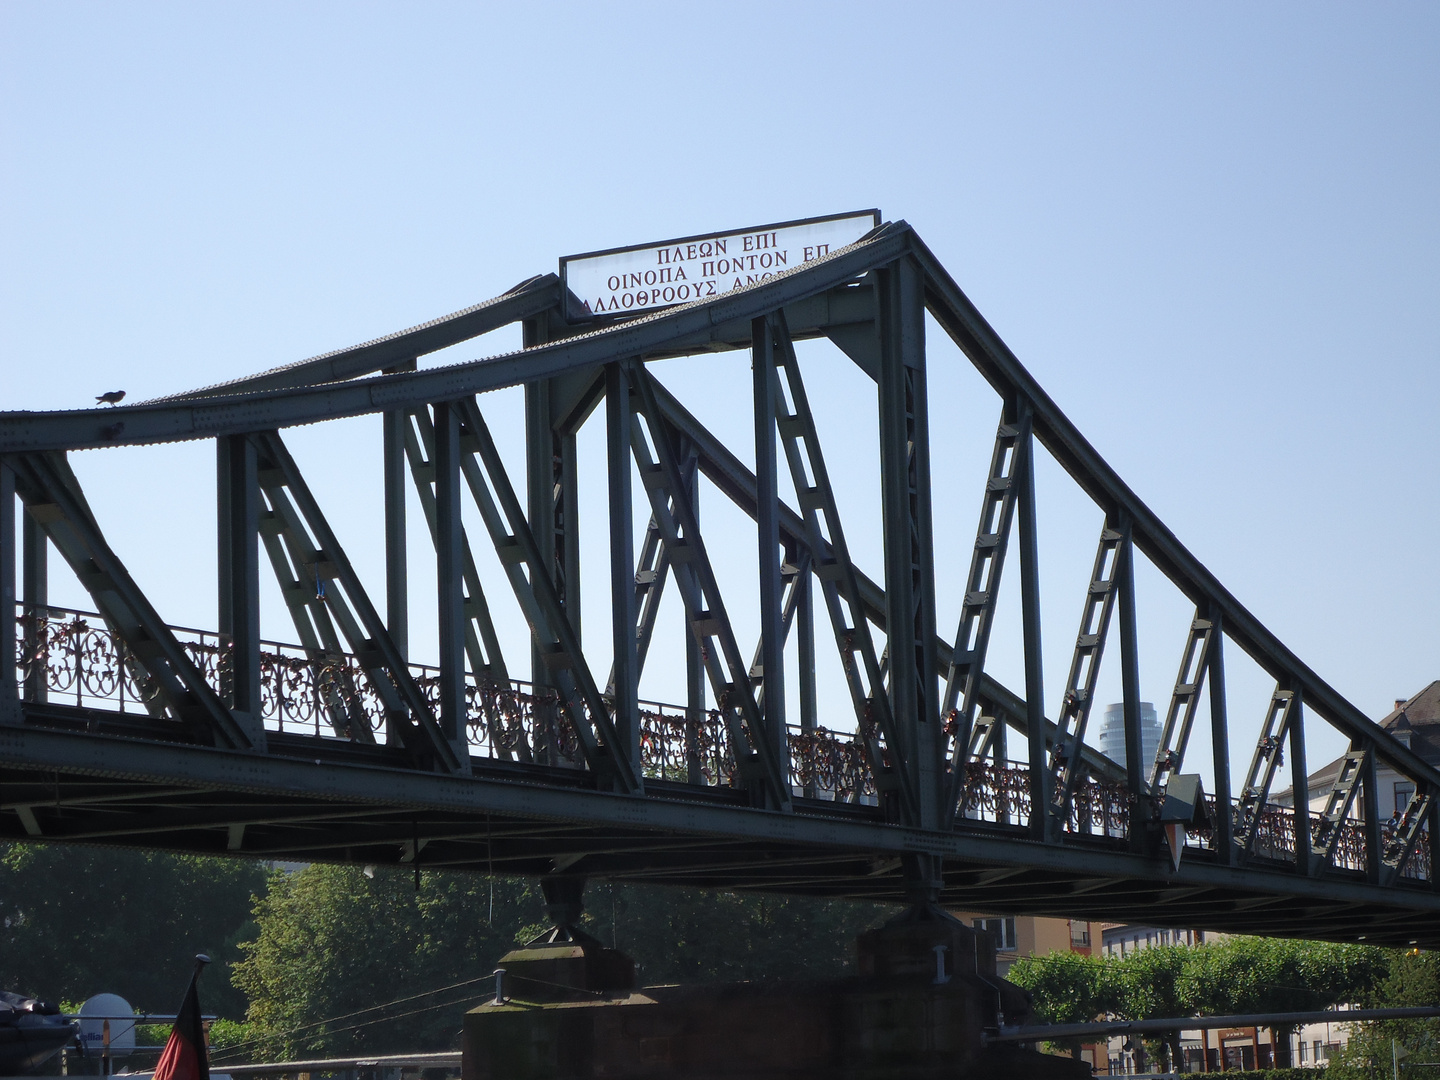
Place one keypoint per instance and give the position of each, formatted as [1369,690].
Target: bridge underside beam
[351,805]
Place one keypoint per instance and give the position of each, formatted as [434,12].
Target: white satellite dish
[95,1013]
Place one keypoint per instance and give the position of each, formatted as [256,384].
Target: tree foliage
[1068,988]
[346,962]
[1413,979]
[1252,975]
[352,962]
[1243,975]
[1149,988]
[1236,975]
[77,921]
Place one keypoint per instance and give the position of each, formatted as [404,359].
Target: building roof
[1418,718]
[1421,713]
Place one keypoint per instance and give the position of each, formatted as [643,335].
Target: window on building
[1002,929]
[1404,792]
[1079,932]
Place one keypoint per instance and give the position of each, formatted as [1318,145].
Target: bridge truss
[118,727]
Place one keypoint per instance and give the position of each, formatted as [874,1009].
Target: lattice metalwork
[115,724]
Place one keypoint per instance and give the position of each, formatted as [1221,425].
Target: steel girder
[169,676]
[737,482]
[960,319]
[663,333]
[410,721]
[482,645]
[960,699]
[757,750]
[650,335]
[824,538]
[870,299]
[607,751]
[399,350]
[100,788]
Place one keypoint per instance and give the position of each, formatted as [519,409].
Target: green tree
[347,963]
[77,920]
[1266,975]
[1149,982]
[1413,978]
[350,961]
[1238,975]
[1068,988]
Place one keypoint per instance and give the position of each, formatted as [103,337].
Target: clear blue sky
[1211,231]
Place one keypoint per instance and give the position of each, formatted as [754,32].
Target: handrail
[303,690]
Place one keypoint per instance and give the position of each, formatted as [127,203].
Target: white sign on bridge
[696,267]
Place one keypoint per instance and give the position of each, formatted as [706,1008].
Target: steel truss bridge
[120,728]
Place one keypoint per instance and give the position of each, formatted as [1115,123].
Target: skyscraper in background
[1112,733]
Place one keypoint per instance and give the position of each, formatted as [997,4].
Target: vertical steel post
[1220,742]
[618,418]
[448,546]
[539,483]
[694,675]
[224,533]
[805,657]
[551,492]
[1299,784]
[35,590]
[9,692]
[1135,764]
[1040,816]
[1370,793]
[397,599]
[239,536]
[1004,808]
[567,530]
[767,520]
[909,555]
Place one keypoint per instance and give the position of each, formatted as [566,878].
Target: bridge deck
[90,764]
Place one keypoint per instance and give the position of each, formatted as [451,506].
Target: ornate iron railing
[74,658]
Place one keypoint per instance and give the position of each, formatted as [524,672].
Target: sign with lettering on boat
[670,272]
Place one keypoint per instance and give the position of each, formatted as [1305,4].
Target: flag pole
[185,1056]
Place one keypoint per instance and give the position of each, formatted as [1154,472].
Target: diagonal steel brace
[730,680]
[52,495]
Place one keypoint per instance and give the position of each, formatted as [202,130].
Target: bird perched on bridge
[113,397]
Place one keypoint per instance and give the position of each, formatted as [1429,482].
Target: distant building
[1112,733]
[1030,935]
[1414,723]
[1122,939]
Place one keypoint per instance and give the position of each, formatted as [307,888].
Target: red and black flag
[185,1057]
